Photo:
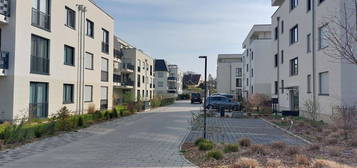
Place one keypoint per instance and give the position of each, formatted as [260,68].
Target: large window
[239,82]
[323,39]
[294,67]
[282,86]
[38,100]
[308,43]
[90,28]
[276,87]
[294,34]
[105,70]
[88,93]
[41,14]
[324,83]
[282,56]
[105,43]
[68,93]
[276,60]
[294,4]
[139,83]
[238,72]
[160,84]
[70,18]
[68,55]
[104,98]
[88,61]
[39,55]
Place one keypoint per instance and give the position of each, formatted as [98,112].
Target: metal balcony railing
[4,60]
[171,78]
[38,110]
[41,19]
[104,104]
[105,47]
[40,65]
[128,83]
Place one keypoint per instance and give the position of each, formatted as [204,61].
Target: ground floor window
[324,83]
[68,93]
[104,98]
[38,100]
[88,93]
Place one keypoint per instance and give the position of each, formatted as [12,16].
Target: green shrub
[245,142]
[216,154]
[80,122]
[231,148]
[200,140]
[98,115]
[106,114]
[63,119]
[205,146]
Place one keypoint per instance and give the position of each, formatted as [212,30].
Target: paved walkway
[230,130]
[150,139]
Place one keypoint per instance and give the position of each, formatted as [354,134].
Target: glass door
[38,100]
[294,99]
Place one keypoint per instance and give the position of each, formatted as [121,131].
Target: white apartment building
[161,77]
[54,53]
[230,74]
[257,61]
[175,80]
[143,76]
[303,71]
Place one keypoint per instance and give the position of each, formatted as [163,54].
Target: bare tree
[312,109]
[345,118]
[341,34]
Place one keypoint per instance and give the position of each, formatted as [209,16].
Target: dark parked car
[215,102]
[196,98]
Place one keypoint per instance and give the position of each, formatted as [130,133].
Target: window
[282,86]
[104,98]
[252,73]
[105,43]
[252,53]
[294,34]
[308,83]
[139,66]
[138,95]
[68,93]
[247,82]
[293,4]
[309,5]
[282,56]
[247,67]
[90,28]
[88,93]
[282,27]
[88,61]
[138,80]
[38,100]
[239,82]
[276,86]
[276,60]
[294,67]
[308,43]
[324,83]
[41,14]
[276,31]
[143,93]
[160,84]
[143,79]
[238,72]
[68,55]
[151,70]
[71,18]
[323,40]
[104,70]
[39,55]
[320,1]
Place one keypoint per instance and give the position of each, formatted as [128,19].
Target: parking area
[230,130]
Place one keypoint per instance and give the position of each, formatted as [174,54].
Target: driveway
[150,139]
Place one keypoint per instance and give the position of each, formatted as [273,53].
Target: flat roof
[92,1]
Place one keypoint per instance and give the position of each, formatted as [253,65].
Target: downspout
[83,54]
[278,62]
[78,68]
[314,54]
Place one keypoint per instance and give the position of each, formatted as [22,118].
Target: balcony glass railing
[116,78]
[128,66]
[118,54]
[4,60]
[40,19]
[171,78]
[128,83]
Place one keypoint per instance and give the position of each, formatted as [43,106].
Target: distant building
[161,77]
[175,80]
[256,61]
[191,80]
[230,74]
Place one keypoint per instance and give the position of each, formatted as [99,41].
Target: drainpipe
[278,62]
[314,53]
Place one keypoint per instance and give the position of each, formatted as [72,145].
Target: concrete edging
[288,132]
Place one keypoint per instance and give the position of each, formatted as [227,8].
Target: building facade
[256,61]
[174,80]
[303,71]
[54,54]
[161,77]
[230,74]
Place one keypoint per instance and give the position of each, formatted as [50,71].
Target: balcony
[173,79]
[40,19]
[128,68]
[118,55]
[4,62]
[4,11]
[117,80]
[277,2]
[126,84]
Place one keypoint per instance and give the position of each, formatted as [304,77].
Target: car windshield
[196,95]
[216,99]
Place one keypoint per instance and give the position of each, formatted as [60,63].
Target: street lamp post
[205,98]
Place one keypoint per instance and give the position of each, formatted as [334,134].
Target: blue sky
[181,30]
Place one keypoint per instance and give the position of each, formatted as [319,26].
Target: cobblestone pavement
[150,139]
[230,130]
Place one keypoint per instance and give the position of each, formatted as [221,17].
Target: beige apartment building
[257,69]
[54,53]
[303,71]
[230,74]
[175,83]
